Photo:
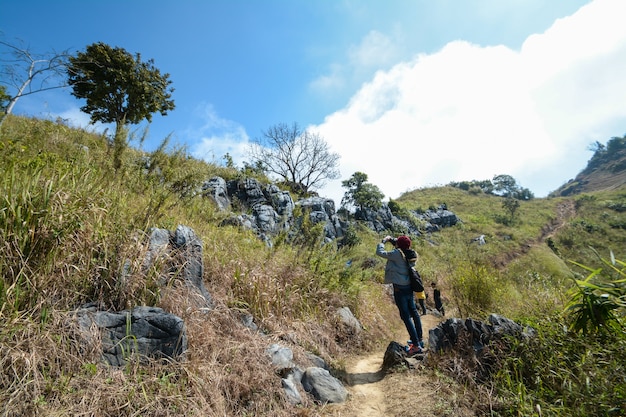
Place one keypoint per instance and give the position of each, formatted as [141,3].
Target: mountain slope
[606,170]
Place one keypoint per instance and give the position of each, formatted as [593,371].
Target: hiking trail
[565,210]
[375,394]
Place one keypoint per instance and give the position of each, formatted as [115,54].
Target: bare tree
[301,158]
[24,73]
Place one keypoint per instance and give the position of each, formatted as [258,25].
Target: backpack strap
[408,264]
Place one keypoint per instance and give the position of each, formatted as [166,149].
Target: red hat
[404,242]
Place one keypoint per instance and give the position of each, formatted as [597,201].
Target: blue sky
[414,93]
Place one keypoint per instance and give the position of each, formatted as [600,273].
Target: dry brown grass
[226,371]
[422,392]
[48,370]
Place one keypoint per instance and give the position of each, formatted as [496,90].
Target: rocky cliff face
[268,211]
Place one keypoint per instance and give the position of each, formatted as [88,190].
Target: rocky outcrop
[382,220]
[475,346]
[322,210]
[146,331]
[446,336]
[265,209]
[458,335]
[143,332]
[180,252]
[435,220]
[268,211]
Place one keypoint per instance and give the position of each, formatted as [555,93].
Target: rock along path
[374,394]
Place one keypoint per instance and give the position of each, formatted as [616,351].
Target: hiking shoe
[421,344]
[414,350]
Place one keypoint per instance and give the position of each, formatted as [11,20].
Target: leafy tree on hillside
[4,100]
[361,194]
[506,186]
[24,73]
[300,157]
[510,204]
[119,88]
[613,151]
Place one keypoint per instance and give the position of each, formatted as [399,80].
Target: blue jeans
[403,296]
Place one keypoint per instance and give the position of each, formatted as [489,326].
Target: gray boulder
[317,361]
[350,323]
[395,355]
[282,358]
[290,385]
[280,200]
[324,387]
[180,251]
[247,191]
[145,332]
[215,189]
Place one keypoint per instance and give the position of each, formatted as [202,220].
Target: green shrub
[475,289]
[558,373]
[598,303]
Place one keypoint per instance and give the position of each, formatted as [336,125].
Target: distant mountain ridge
[606,170]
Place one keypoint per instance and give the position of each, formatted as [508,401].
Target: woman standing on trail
[397,273]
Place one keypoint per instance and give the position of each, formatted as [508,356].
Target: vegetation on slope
[72,226]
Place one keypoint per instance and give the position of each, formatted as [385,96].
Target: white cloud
[471,112]
[217,137]
[376,50]
[331,81]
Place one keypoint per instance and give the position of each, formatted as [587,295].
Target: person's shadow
[352,379]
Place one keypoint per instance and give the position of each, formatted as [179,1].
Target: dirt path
[564,211]
[374,394]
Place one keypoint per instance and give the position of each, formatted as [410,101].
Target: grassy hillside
[70,224]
